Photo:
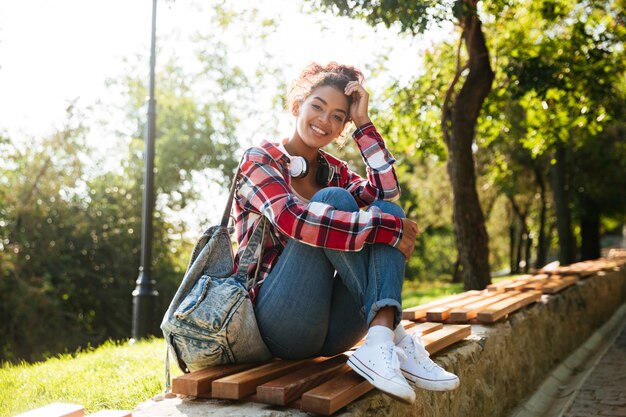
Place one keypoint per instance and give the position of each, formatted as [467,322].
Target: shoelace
[423,357]
[396,353]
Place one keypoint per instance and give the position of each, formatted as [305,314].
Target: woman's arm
[263,189]
[381,182]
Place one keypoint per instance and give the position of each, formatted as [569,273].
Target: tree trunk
[567,246]
[528,246]
[512,235]
[542,251]
[590,230]
[459,122]
[456,273]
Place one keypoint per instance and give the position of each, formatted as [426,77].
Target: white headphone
[298,166]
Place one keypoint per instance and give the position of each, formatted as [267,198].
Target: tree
[565,65]
[460,111]
[69,224]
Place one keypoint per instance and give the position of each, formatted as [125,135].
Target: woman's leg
[326,315]
[369,286]
[293,307]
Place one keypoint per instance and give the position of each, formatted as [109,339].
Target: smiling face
[321,117]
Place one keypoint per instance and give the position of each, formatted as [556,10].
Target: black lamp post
[145,294]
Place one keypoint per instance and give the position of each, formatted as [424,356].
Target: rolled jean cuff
[385,302]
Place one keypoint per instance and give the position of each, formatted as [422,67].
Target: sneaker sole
[361,370]
[447,385]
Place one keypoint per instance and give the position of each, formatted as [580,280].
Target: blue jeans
[320,302]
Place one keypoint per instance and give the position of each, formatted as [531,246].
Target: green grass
[121,375]
[113,376]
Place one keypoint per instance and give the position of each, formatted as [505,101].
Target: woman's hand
[360,101]
[409,234]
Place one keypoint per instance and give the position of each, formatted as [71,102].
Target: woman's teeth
[318,130]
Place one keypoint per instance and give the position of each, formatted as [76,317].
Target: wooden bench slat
[56,410]
[198,384]
[470,311]
[425,328]
[342,390]
[242,384]
[513,284]
[288,388]
[507,306]
[419,312]
[335,394]
[556,285]
[536,283]
[441,339]
[443,312]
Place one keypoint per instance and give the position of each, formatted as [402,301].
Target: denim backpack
[210,320]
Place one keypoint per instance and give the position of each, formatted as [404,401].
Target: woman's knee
[390,208]
[338,197]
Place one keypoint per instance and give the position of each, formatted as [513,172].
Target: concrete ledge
[499,365]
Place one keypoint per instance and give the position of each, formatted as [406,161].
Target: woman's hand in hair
[359,111]
[409,234]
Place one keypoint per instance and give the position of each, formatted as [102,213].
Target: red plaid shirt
[265,190]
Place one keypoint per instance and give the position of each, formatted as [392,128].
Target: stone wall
[499,365]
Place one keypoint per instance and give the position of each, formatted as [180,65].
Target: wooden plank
[419,312]
[514,284]
[469,311]
[556,285]
[338,392]
[443,312]
[198,384]
[242,384]
[499,287]
[288,388]
[450,334]
[536,283]
[425,328]
[56,410]
[507,306]
[335,394]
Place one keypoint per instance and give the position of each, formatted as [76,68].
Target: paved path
[604,391]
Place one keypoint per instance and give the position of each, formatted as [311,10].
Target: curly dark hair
[316,75]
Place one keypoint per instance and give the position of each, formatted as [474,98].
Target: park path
[604,391]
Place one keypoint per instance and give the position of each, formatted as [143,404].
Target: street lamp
[145,294]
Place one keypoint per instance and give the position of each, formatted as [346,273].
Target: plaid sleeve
[381,182]
[263,189]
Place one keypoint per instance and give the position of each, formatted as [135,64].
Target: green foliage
[70,246]
[70,225]
[411,16]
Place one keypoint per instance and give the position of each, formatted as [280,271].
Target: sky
[52,52]
[55,52]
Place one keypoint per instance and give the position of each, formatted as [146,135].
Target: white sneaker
[419,369]
[380,365]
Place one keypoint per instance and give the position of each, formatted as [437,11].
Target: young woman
[333,260]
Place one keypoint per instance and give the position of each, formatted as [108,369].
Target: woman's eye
[316,106]
[339,118]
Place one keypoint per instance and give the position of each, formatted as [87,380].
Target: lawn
[113,376]
[120,375]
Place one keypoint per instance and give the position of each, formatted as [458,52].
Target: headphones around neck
[299,168]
